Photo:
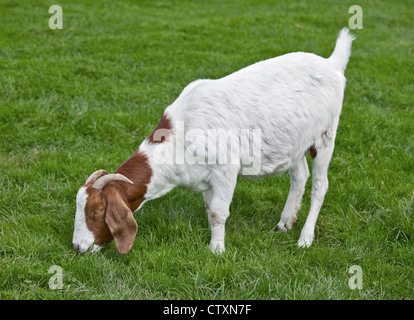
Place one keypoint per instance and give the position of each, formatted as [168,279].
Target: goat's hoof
[280,227]
[305,241]
[217,247]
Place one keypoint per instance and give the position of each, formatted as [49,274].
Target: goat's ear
[120,221]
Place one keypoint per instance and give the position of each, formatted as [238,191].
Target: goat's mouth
[93,247]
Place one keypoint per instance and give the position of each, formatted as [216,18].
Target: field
[82,98]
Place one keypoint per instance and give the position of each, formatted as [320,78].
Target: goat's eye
[98,211]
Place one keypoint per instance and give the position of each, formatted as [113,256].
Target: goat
[282,108]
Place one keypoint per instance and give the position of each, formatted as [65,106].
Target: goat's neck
[139,171]
[164,172]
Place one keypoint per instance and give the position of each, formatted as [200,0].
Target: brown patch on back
[161,131]
[313,152]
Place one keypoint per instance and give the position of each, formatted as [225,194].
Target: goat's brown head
[102,215]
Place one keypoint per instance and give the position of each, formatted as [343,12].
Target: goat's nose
[76,246]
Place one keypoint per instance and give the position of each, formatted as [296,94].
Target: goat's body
[294,100]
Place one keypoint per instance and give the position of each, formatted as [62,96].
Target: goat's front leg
[217,200]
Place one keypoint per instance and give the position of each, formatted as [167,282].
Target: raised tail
[342,51]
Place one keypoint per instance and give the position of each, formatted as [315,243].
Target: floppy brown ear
[120,222]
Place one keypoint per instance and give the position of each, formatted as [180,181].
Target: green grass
[83,98]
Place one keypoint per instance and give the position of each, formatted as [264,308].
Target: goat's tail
[342,51]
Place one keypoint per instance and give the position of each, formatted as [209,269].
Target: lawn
[82,98]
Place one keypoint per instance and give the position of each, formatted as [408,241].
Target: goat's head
[103,215]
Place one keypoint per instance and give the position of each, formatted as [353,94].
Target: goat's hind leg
[299,174]
[320,164]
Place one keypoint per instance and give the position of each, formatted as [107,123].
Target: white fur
[83,238]
[294,99]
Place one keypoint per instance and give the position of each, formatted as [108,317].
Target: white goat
[258,121]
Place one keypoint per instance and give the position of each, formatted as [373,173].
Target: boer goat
[259,121]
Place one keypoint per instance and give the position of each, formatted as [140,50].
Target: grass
[83,98]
